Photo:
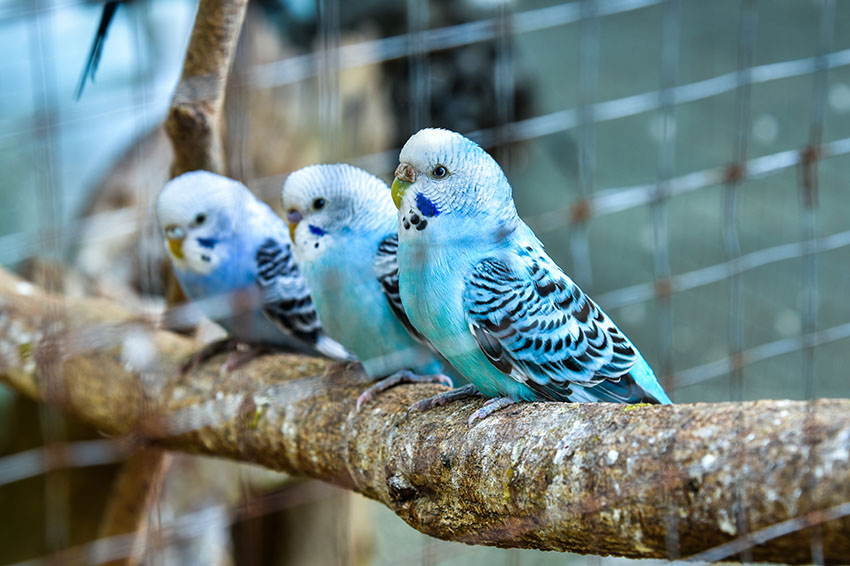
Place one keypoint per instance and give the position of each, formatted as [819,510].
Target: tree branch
[194,121]
[636,481]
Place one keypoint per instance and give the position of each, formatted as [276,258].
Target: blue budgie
[476,282]
[343,226]
[231,255]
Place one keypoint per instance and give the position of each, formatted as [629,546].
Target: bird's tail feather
[331,348]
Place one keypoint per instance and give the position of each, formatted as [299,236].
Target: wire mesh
[814,323]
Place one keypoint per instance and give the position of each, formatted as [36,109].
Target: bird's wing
[286,299]
[386,267]
[535,325]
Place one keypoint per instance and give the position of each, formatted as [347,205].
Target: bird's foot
[208,351]
[399,377]
[244,353]
[490,407]
[442,398]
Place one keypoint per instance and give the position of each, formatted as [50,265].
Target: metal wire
[330,118]
[37,461]
[420,78]
[416,44]
[660,248]
[326,64]
[598,202]
[296,69]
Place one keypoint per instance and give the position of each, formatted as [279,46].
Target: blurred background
[681,159]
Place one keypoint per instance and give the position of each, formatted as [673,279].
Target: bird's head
[325,204]
[197,213]
[443,175]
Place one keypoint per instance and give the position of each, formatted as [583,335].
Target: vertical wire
[810,196]
[149,275]
[731,237]
[809,187]
[149,278]
[666,170]
[661,251]
[330,119]
[588,87]
[419,73]
[504,84]
[504,78]
[46,159]
[419,115]
[331,150]
[330,128]
[328,80]
[238,111]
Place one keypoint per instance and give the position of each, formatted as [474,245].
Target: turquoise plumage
[343,226]
[477,283]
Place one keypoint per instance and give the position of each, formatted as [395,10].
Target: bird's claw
[398,378]
[243,354]
[208,351]
[490,407]
[446,397]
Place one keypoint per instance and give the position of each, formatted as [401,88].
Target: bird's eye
[318,204]
[439,172]
[200,218]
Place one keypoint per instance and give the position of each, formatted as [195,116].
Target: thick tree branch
[635,481]
[194,121]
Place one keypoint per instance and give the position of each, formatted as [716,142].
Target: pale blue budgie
[476,282]
[231,255]
[343,226]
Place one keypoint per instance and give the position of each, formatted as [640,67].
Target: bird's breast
[431,288]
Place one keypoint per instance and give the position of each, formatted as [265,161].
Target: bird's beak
[293,217]
[404,177]
[175,235]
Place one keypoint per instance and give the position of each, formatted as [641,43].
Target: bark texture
[636,481]
[194,121]
[134,492]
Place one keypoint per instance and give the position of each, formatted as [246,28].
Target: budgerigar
[476,282]
[343,226]
[231,255]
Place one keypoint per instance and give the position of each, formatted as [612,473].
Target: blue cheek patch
[316,230]
[425,206]
[208,243]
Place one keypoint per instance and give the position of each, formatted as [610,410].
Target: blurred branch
[135,490]
[634,481]
[194,121]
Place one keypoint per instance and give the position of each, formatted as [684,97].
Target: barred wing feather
[534,324]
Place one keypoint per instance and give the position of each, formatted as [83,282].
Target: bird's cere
[293,217]
[405,172]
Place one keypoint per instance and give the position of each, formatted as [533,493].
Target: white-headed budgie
[476,282]
[343,226]
[231,255]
